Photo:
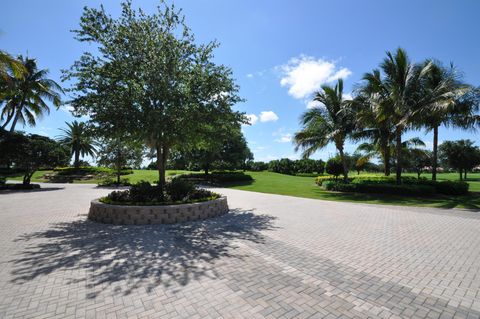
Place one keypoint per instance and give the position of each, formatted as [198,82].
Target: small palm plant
[78,138]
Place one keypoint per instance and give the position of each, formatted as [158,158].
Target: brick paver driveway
[270,257]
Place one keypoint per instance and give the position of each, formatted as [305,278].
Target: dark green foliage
[178,189]
[380,188]
[257,166]
[334,166]
[452,187]
[282,166]
[217,177]
[461,155]
[175,192]
[28,153]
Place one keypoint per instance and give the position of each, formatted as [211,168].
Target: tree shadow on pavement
[135,256]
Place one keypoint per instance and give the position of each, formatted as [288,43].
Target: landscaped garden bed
[179,201]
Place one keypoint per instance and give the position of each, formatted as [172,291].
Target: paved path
[270,257]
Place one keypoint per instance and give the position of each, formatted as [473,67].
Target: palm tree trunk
[465,175]
[9,118]
[398,147]
[15,120]
[344,163]
[435,153]
[76,162]
[17,114]
[386,158]
[461,174]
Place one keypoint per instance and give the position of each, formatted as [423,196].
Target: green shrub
[178,189]
[19,186]
[334,166]
[217,177]
[143,193]
[113,182]
[380,188]
[452,187]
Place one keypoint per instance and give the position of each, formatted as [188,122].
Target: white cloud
[313,104]
[285,138]
[252,118]
[304,75]
[249,75]
[268,116]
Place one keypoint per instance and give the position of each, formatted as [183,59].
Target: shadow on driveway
[149,256]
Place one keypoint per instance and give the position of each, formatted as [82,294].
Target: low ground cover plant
[176,191]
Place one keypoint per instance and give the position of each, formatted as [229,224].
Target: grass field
[304,186]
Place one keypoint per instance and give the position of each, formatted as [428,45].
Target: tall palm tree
[78,138]
[371,124]
[401,86]
[30,93]
[333,122]
[445,96]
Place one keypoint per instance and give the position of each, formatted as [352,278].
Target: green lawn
[301,186]
[138,175]
[304,186]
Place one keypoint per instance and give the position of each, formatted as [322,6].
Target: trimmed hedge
[380,188]
[217,177]
[19,186]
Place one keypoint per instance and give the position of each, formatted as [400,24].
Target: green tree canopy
[150,80]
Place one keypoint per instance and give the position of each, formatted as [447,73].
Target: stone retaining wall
[168,214]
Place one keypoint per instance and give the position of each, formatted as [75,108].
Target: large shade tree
[78,138]
[333,122]
[150,79]
[27,95]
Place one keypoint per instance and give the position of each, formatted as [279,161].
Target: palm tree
[78,138]
[333,122]
[9,66]
[444,95]
[371,124]
[29,93]
[400,90]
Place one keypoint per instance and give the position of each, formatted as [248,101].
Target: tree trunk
[398,146]
[76,161]
[9,118]
[18,113]
[465,174]
[161,163]
[435,153]
[344,163]
[26,178]
[206,169]
[386,158]
[461,174]
[15,120]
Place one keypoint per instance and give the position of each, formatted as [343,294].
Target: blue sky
[280,51]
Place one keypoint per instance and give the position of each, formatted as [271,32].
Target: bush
[282,166]
[113,182]
[217,177]
[452,187]
[143,193]
[258,166]
[380,188]
[178,189]
[334,167]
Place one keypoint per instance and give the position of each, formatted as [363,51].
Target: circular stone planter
[165,214]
